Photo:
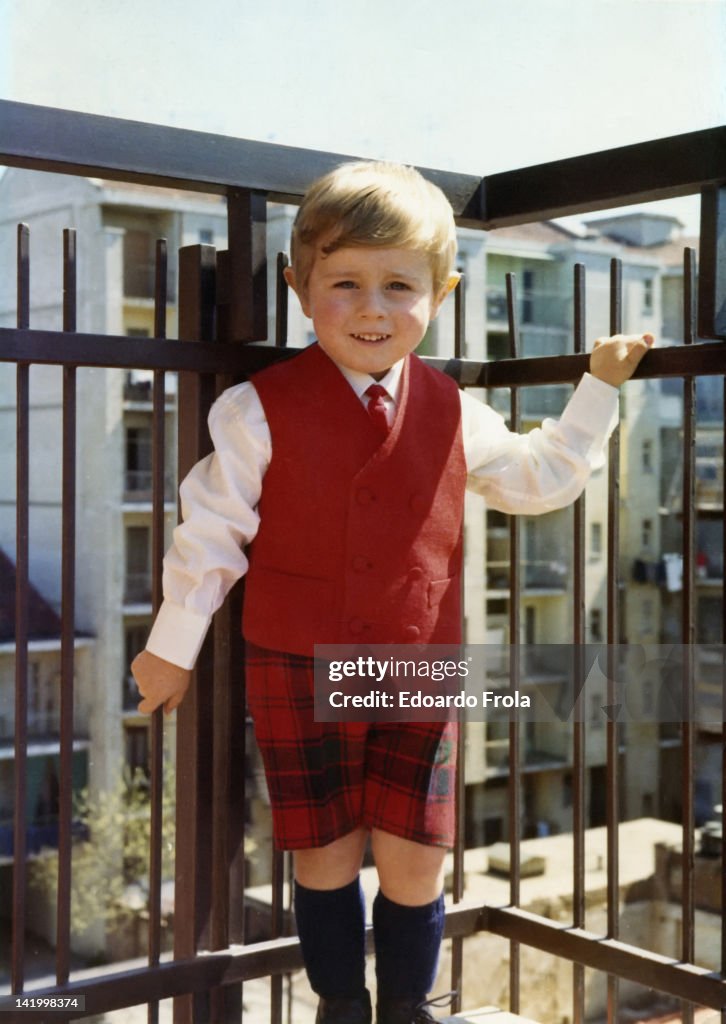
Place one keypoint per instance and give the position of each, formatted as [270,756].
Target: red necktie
[377,408]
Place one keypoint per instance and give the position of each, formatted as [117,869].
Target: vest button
[360,564]
[364,496]
[415,573]
[417,503]
[356,626]
[411,634]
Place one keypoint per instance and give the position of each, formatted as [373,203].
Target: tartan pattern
[326,779]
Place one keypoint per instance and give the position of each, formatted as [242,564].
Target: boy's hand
[159,682]
[614,359]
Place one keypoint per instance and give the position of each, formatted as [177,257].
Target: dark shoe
[345,1011]
[409,1011]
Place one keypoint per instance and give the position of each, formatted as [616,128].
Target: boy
[345,469]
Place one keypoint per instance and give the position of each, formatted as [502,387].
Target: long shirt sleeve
[546,468]
[219,498]
[531,473]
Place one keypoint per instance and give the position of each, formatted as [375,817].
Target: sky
[477,86]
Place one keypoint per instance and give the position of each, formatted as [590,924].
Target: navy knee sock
[407,941]
[331,927]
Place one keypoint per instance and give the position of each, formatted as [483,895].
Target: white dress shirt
[531,473]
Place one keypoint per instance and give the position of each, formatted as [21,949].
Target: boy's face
[370,307]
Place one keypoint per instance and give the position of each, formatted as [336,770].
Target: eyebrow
[344,272]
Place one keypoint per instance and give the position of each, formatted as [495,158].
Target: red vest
[359,539]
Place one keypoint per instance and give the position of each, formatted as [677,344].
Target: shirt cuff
[177,635]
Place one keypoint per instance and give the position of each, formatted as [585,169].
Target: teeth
[371,337]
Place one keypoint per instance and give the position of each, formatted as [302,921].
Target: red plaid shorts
[326,779]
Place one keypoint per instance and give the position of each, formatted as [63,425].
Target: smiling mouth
[371,338]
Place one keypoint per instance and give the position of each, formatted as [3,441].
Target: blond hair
[376,204]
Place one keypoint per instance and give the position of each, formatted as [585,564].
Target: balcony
[138,389]
[212,960]
[45,725]
[538,576]
[139,282]
[138,486]
[138,588]
[533,307]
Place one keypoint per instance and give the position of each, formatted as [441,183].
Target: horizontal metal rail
[661,169]
[122,352]
[684,981]
[44,138]
[278,956]
[89,144]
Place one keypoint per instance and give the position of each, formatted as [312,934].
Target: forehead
[373,260]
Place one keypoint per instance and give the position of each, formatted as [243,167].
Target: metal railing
[216,323]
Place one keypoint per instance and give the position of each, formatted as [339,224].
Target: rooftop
[43,622]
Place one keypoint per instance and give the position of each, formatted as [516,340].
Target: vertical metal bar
[688,610]
[515,779]
[22,496]
[460,317]
[278,884]
[65,809]
[457,943]
[723,697]
[712,323]
[578,738]
[282,297]
[237,812]
[194,716]
[712,272]
[156,767]
[220,791]
[228,731]
[613,635]
[247,230]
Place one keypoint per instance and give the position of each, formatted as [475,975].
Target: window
[134,641]
[530,625]
[139,264]
[138,564]
[596,540]
[137,748]
[567,790]
[646,456]
[138,462]
[528,297]
[646,534]
[596,712]
[497,346]
[206,236]
[596,625]
[648,291]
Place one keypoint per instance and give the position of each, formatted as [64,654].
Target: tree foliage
[110,856]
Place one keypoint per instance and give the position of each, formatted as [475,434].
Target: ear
[448,287]
[289,275]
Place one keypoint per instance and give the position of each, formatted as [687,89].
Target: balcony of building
[138,391]
[139,487]
[215,798]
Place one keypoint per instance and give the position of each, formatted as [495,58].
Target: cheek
[420,311]
[329,309]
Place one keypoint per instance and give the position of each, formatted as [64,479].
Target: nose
[371,303]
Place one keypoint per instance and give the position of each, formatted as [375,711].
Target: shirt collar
[360,382]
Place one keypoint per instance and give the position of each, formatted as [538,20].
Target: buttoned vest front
[359,539]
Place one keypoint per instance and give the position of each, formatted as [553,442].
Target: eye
[344,284]
[399,286]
